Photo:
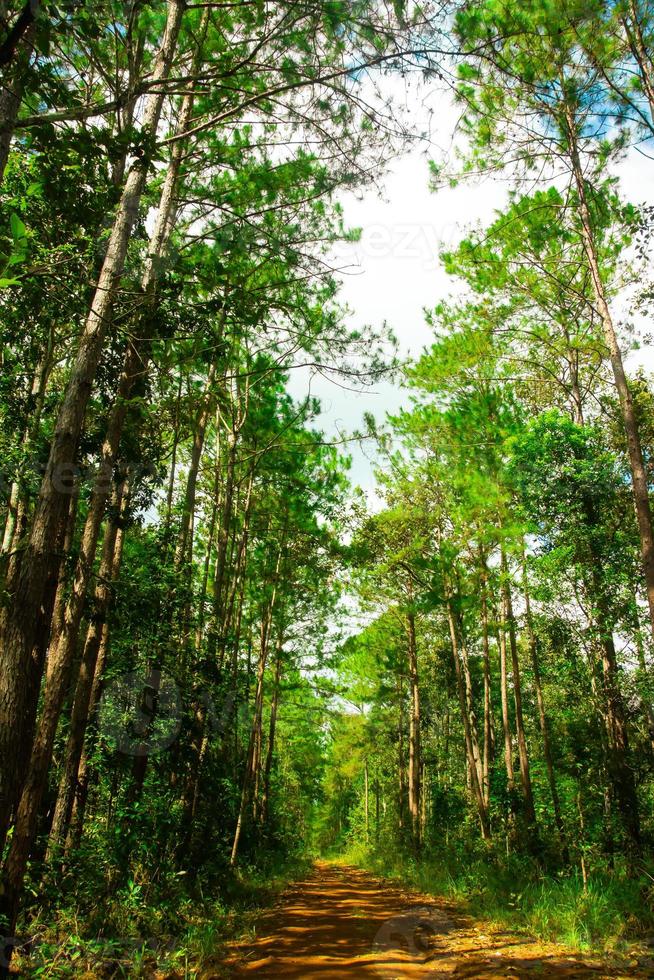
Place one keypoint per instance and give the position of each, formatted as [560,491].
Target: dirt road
[342,922]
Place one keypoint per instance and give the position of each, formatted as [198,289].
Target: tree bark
[274,707]
[509,621]
[81,712]
[199,432]
[542,717]
[470,755]
[634,32]
[13,524]
[506,721]
[414,731]
[488,707]
[24,622]
[18,31]
[401,772]
[65,639]
[11,96]
[251,762]
[634,448]
[470,702]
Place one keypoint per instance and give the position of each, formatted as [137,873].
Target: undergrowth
[172,928]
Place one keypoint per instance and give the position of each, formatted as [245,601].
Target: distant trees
[511,471]
[507,507]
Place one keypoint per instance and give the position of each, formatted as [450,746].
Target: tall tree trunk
[506,721]
[100,636]
[255,732]
[13,529]
[63,584]
[470,755]
[59,670]
[251,765]
[401,770]
[542,716]
[488,706]
[173,458]
[24,621]
[64,643]
[274,707]
[183,561]
[377,808]
[509,621]
[634,448]
[414,731]
[470,701]
[107,574]
[58,603]
[11,96]
[366,800]
[217,632]
[206,568]
[199,432]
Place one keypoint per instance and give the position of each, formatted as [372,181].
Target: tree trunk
[251,762]
[414,731]
[542,716]
[401,772]
[470,755]
[366,800]
[59,591]
[24,622]
[13,530]
[488,706]
[173,458]
[377,801]
[638,473]
[199,432]
[506,721]
[107,575]
[11,96]
[472,717]
[217,632]
[16,39]
[204,585]
[274,707]
[509,620]
[634,30]
[65,638]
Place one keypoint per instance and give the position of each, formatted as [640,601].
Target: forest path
[342,922]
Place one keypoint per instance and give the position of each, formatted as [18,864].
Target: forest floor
[343,922]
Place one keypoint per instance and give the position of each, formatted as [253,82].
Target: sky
[393,272]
